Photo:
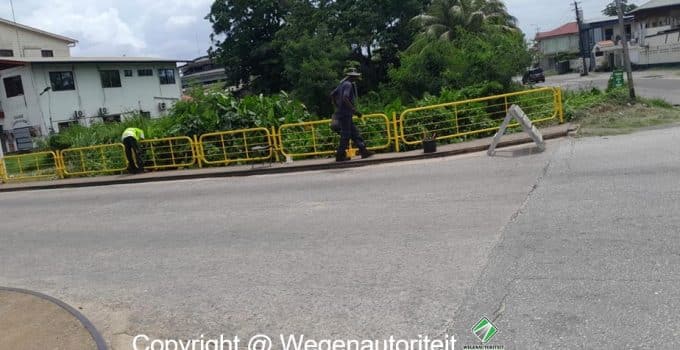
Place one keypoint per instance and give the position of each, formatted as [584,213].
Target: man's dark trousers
[133,155]
[348,131]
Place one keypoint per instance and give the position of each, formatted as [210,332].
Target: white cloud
[170,28]
[180,21]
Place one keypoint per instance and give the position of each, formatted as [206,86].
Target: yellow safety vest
[134,132]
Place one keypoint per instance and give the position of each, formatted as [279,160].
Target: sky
[177,29]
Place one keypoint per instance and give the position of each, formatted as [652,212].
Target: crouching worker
[131,138]
[343,98]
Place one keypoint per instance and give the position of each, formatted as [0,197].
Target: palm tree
[444,17]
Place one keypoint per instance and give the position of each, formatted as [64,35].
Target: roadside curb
[291,169]
[94,333]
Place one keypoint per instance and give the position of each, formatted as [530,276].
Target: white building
[17,40]
[44,89]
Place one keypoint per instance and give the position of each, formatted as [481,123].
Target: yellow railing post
[3,174]
[198,154]
[559,105]
[395,124]
[274,144]
[60,164]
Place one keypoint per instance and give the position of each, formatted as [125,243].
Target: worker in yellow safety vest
[131,138]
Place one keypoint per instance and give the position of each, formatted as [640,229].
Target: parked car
[533,75]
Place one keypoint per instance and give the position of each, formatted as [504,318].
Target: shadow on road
[522,152]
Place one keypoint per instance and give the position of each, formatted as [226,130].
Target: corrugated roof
[39,31]
[656,4]
[606,19]
[87,60]
[567,29]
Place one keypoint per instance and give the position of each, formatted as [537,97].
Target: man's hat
[352,72]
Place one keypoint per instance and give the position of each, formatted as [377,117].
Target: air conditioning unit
[162,106]
[103,111]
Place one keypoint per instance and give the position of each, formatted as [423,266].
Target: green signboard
[616,80]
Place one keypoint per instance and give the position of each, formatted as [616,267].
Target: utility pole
[626,54]
[581,45]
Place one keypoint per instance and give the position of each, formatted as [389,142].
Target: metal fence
[481,116]
[238,146]
[317,139]
[93,160]
[447,122]
[32,166]
[168,153]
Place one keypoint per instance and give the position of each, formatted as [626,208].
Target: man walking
[343,98]
[131,138]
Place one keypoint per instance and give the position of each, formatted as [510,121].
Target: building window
[110,78]
[65,125]
[62,81]
[145,72]
[145,114]
[6,53]
[13,86]
[128,72]
[167,76]
[114,118]
[47,53]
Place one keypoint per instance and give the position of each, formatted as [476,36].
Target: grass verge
[611,113]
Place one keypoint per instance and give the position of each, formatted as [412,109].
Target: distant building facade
[561,41]
[658,22]
[202,71]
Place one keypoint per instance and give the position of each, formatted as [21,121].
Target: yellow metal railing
[168,153]
[32,166]
[93,160]
[447,121]
[227,147]
[316,138]
[476,116]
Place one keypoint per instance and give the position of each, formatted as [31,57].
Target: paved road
[356,253]
[573,248]
[648,83]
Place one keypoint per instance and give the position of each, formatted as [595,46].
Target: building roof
[606,19]
[11,62]
[36,30]
[567,29]
[654,4]
[88,60]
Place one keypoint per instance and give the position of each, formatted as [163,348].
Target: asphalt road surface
[664,84]
[576,247]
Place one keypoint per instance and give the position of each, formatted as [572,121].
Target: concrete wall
[660,49]
[136,93]
[30,43]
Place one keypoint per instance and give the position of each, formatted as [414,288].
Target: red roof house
[567,29]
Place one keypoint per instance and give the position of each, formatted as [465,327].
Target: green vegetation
[405,49]
[204,112]
[611,113]
[611,10]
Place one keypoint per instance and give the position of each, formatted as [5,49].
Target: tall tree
[610,10]
[243,31]
[375,30]
[445,17]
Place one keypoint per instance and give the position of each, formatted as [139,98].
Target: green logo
[484,330]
